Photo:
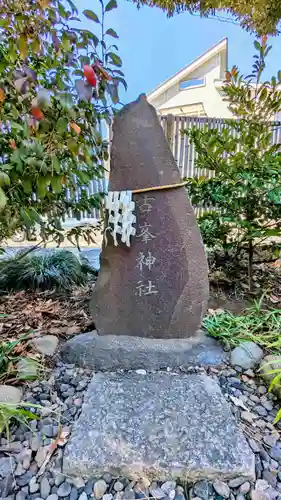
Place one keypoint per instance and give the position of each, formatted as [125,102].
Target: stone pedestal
[122,352]
[159,425]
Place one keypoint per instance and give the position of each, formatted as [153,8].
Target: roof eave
[222,45]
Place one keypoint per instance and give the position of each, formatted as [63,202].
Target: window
[194,82]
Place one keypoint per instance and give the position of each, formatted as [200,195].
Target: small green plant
[59,270]
[16,364]
[257,324]
[18,413]
[244,188]
[275,383]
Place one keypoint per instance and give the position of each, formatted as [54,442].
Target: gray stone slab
[113,352]
[159,425]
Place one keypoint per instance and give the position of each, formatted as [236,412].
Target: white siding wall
[205,96]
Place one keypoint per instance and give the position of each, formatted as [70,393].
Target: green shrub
[15,413]
[59,270]
[243,185]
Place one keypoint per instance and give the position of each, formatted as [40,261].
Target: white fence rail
[183,150]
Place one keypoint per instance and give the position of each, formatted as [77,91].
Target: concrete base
[159,425]
[114,352]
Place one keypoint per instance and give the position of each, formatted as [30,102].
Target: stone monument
[158,287]
[154,291]
[148,304]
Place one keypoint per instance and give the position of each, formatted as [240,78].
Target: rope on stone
[159,188]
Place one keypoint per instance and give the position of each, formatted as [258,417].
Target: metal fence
[183,150]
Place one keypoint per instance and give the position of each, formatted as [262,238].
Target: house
[196,89]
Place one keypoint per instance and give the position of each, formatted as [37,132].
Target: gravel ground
[61,396]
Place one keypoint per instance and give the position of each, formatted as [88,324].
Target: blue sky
[154,47]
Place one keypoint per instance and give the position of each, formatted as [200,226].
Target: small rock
[19,470]
[129,494]
[24,479]
[10,394]
[246,355]
[100,488]
[240,497]
[270,478]
[82,385]
[261,411]
[254,445]
[109,496]
[46,344]
[168,486]
[254,398]
[59,478]
[107,477]
[27,455]
[21,495]
[275,453]
[270,439]
[74,493]
[267,405]
[45,488]
[247,416]
[41,455]
[179,490]
[53,496]
[156,492]
[118,486]
[262,389]
[235,483]
[249,373]
[141,372]
[203,489]
[64,490]
[78,482]
[180,497]
[245,488]
[89,486]
[221,488]
[35,443]
[33,485]
[83,496]
[27,369]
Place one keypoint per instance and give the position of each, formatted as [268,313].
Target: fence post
[170,130]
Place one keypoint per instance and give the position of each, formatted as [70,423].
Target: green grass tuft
[262,326]
[59,270]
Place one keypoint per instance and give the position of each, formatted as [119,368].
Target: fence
[183,150]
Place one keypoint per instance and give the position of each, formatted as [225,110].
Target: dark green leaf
[112,33]
[4,179]
[112,89]
[91,15]
[121,80]
[56,183]
[41,187]
[62,125]
[112,4]
[27,185]
[56,164]
[3,200]
[115,59]
[25,217]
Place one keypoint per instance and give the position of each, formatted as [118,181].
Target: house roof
[183,73]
